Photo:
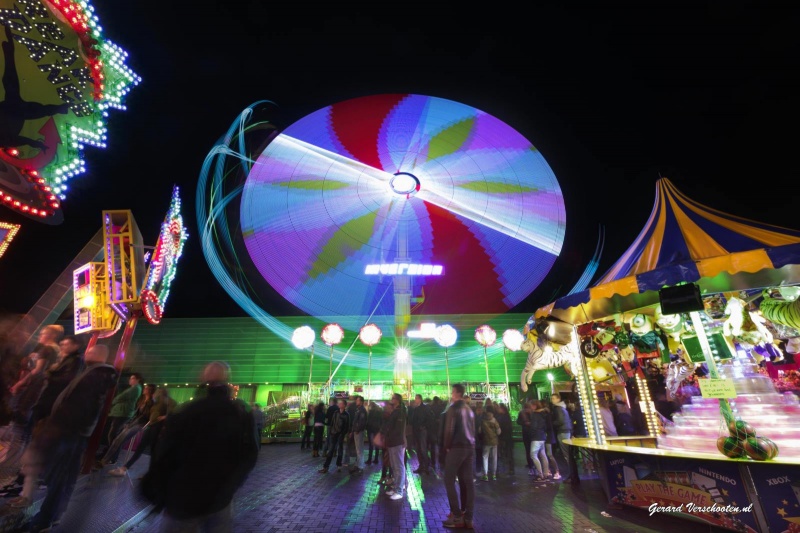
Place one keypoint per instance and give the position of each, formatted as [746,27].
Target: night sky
[613,98]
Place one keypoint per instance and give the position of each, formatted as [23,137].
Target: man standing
[562,425]
[374,421]
[59,447]
[421,421]
[332,409]
[258,421]
[204,455]
[459,446]
[358,426]
[395,443]
[339,427]
[123,407]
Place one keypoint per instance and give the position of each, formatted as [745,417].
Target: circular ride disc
[392,200]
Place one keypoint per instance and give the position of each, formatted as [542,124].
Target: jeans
[489,451]
[148,441]
[64,465]
[113,428]
[539,458]
[358,437]
[564,447]
[128,432]
[219,522]
[460,462]
[319,432]
[305,442]
[548,451]
[337,443]
[526,442]
[370,436]
[421,446]
[397,458]
[507,452]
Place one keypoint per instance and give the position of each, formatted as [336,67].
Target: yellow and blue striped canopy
[685,241]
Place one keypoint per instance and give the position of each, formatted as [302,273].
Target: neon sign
[7,232]
[163,264]
[404,269]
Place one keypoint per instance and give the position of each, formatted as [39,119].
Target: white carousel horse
[542,356]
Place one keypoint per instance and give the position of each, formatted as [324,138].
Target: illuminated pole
[512,340]
[332,334]
[446,336]
[370,335]
[485,335]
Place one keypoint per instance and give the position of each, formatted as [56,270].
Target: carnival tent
[685,241]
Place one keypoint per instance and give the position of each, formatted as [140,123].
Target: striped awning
[684,241]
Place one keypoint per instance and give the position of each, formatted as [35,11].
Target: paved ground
[285,493]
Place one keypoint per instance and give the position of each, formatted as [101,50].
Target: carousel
[701,313]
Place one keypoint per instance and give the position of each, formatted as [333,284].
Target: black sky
[613,97]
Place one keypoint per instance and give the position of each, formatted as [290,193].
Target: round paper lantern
[370,335]
[512,339]
[332,334]
[446,335]
[485,335]
[303,337]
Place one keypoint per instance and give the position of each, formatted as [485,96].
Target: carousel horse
[542,356]
[677,371]
[743,325]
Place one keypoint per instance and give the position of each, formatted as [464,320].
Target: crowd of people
[59,393]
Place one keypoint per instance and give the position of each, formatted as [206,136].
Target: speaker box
[680,299]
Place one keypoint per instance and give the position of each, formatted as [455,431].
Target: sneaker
[468,524]
[390,492]
[485,478]
[556,476]
[396,496]
[323,470]
[454,522]
[118,472]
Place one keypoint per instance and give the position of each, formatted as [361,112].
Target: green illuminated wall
[176,350]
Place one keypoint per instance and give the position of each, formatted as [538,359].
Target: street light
[485,336]
[512,340]
[332,334]
[370,335]
[446,336]
[302,338]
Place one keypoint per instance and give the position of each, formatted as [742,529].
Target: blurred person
[133,427]
[357,427]
[422,418]
[437,408]
[386,468]
[607,418]
[319,428]
[623,420]
[350,444]
[333,407]
[205,454]
[491,433]
[258,422]
[26,390]
[550,441]
[477,408]
[163,406]
[561,423]
[538,437]
[123,407]
[374,420]
[578,431]
[338,429]
[505,443]
[308,427]
[57,449]
[524,420]
[396,446]
[458,444]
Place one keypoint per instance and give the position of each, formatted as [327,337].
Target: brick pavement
[285,493]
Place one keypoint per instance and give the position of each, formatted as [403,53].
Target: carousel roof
[685,241]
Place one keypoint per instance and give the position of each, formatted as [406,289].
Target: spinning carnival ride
[379,209]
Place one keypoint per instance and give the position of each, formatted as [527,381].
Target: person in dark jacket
[458,443]
[308,427]
[333,407]
[205,453]
[374,420]
[358,427]
[137,423]
[319,428]
[524,420]
[538,438]
[396,446]
[421,419]
[437,408]
[506,450]
[339,428]
[59,446]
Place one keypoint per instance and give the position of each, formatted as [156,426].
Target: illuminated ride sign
[403,269]
[163,264]
[60,77]
[90,300]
